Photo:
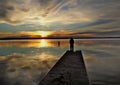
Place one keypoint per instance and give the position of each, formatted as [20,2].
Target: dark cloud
[108,33]
[44,2]
[2,1]
[3,12]
[99,22]
[10,8]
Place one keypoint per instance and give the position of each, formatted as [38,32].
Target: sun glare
[44,33]
[44,43]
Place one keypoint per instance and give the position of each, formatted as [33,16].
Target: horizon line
[61,38]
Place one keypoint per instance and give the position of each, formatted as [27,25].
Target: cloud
[29,11]
[104,33]
[92,31]
[50,12]
[55,15]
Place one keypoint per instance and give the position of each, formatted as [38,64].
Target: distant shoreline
[60,38]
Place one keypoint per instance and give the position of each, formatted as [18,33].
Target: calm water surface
[26,62]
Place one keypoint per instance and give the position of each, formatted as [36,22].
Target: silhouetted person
[71,44]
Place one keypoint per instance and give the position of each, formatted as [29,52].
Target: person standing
[71,44]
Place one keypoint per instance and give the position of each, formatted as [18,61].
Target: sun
[44,33]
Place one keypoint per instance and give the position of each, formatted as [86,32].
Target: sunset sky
[30,18]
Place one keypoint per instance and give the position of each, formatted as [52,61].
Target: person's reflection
[58,43]
[71,44]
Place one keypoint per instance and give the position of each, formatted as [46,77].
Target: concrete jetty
[69,70]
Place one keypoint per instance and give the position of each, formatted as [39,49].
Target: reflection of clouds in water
[99,53]
[102,60]
[101,57]
[98,42]
[26,69]
[100,47]
[103,68]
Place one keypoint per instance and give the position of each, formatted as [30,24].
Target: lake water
[26,62]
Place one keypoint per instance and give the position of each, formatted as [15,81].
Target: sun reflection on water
[45,43]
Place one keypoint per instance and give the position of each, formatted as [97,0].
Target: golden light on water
[44,43]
